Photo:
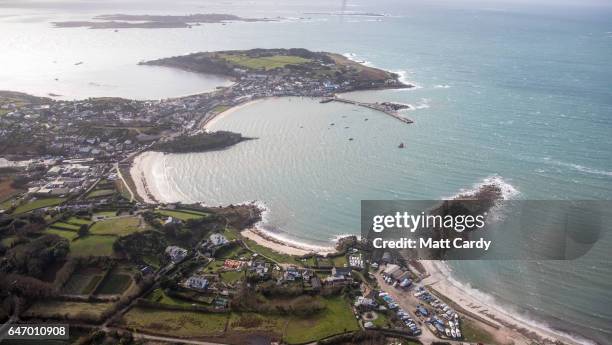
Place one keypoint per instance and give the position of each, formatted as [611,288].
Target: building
[291,273]
[176,254]
[363,303]
[341,272]
[217,240]
[214,242]
[231,264]
[261,268]
[356,261]
[339,276]
[197,282]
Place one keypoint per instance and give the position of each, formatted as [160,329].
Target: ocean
[518,96]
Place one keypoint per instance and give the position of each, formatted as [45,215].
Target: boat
[453,333]
[401,145]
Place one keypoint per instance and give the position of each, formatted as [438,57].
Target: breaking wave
[578,167]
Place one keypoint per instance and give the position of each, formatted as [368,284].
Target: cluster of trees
[34,257]
[294,303]
[199,142]
[141,244]
[21,226]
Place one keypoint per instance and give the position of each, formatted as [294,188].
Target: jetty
[387,107]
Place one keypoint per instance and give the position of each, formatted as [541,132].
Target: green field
[264,62]
[105,214]
[213,266]
[231,277]
[116,226]
[158,295]
[38,203]
[233,251]
[183,215]
[335,319]
[176,323]
[78,221]
[339,261]
[93,246]
[67,234]
[61,309]
[253,322]
[65,226]
[100,193]
[114,284]
[83,282]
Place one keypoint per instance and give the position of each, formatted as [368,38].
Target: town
[79,246]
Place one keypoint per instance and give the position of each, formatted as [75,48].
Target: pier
[374,106]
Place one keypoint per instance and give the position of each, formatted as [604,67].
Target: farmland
[93,246]
[116,226]
[38,203]
[176,323]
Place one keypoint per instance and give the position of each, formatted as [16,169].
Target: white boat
[453,333]
[458,333]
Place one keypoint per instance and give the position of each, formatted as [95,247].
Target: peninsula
[199,142]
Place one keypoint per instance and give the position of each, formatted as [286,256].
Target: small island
[130,21]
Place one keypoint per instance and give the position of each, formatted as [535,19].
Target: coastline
[211,121]
[284,246]
[511,324]
[140,164]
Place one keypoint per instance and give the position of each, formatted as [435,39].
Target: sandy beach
[206,125]
[512,327]
[140,164]
[282,245]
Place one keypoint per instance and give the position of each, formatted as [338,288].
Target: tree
[83,230]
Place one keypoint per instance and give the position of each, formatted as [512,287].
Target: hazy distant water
[523,97]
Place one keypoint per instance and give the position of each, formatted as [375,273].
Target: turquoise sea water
[519,96]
